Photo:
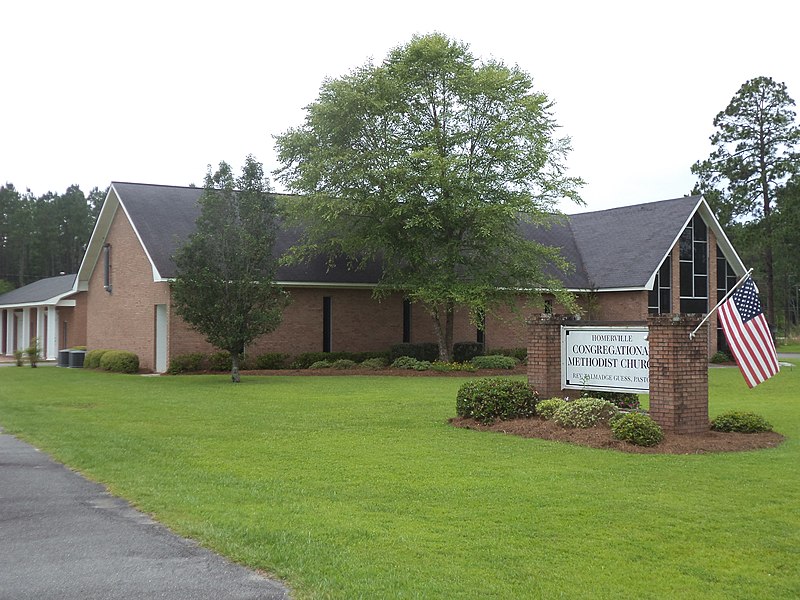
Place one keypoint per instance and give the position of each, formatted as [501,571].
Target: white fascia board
[652,279]
[722,240]
[307,284]
[605,290]
[156,275]
[96,241]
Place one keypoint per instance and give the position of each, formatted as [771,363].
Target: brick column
[678,373]
[544,354]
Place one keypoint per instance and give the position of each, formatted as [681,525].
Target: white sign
[607,359]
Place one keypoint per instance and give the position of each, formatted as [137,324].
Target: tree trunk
[235,378]
[443,320]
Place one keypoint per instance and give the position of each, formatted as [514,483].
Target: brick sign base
[678,368]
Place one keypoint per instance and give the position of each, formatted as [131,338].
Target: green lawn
[356,487]
[790,348]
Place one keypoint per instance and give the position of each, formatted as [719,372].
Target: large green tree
[755,152]
[224,287]
[431,162]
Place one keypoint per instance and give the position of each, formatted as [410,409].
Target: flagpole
[708,316]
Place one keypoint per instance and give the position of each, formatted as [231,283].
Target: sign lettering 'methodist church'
[609,359]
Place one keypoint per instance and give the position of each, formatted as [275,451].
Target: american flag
[748,335]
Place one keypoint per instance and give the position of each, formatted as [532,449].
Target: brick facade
[678,373]
[544,355]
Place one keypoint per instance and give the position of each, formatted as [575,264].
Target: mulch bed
[600,437]
[520,370]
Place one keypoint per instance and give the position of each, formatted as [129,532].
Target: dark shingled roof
[39,291]
[616,248]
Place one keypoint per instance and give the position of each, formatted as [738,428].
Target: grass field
[791,348]
[356,487]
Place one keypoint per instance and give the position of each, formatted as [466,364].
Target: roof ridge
[694,197]
[185,187]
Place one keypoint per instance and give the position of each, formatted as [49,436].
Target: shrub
[636,428]
[78,348]
[521,354]
[494,361]
[271,361]
[320,364]
[306,359]
[343,363]
[374,363]
[547,408]
[741,422]
[34,352]
[407,362]
[446,367]
[220,361]
[721,357]
[584,413]
[92,359]
[18,356]
[182,363]
[466,351]
[625,400]
[119,361]
[492,398]
[424,351]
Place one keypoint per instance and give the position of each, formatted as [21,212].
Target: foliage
[5,286]
[306,359]
[756,150]
[637,428]
[219,361]
[374,363]
[343,363]
[494,361]
[271,361]
[421,351]
[320,364]
[34,352]
[585,412]
[407,362]
[18,356]
[521,354]
[119,361]
[491,398]
[428,162]
[742,422]
[721,357]
[624,400]
[448,367]
[224,285]
[548,408]
[92,358]
[183,363]
[466,351]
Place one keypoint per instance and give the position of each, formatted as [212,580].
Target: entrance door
[161,338]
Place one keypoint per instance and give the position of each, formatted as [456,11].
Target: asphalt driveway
[63,537]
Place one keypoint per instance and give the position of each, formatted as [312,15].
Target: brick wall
[678,373]
[544,355]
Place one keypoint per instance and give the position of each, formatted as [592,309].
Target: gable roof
[615,249]
[50,290]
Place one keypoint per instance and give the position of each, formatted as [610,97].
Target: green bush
[721,357]
[492,398]
[18,356]
[374,363]
[447,367]
[466,351]
[521,354]
[220,361]
[547,408]
[306,359]
[424,351]
[585,412]
[119,361]
[183,363]
[407,362]
[320,364]
[343,363]
[271,361]
[34,352]
[624,400]
[636,428]
[78,348]
[741,422]
[92,359]
[494,361]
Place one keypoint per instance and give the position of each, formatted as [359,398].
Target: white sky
[152,92]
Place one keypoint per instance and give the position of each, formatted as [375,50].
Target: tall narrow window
[726,279]
[694,267]
[660,297]
[327,321]
[481,331]
[107,267]
[406,321]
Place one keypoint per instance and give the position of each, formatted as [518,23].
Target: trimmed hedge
[637,428]
[408,362]
[186,363]
[584,413]
[494,361]
[320,364]
[547,408]
[119,361]
[521,354]
[343,363]
[466,351]
[628,401]
[492,398]
[740,422]
[92,359]
[220,361]
[424,351]
[374,363]
[271,361]
[306,359]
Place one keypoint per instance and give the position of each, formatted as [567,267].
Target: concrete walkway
[65,538]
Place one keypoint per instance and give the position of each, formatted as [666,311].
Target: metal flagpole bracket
[713,310]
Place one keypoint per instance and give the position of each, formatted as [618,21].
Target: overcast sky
[152,92]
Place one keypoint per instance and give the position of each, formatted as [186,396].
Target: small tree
[34,352]
[224,287]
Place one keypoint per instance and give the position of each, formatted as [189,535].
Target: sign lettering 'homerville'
[610,359]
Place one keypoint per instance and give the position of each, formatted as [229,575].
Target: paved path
[63,537]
